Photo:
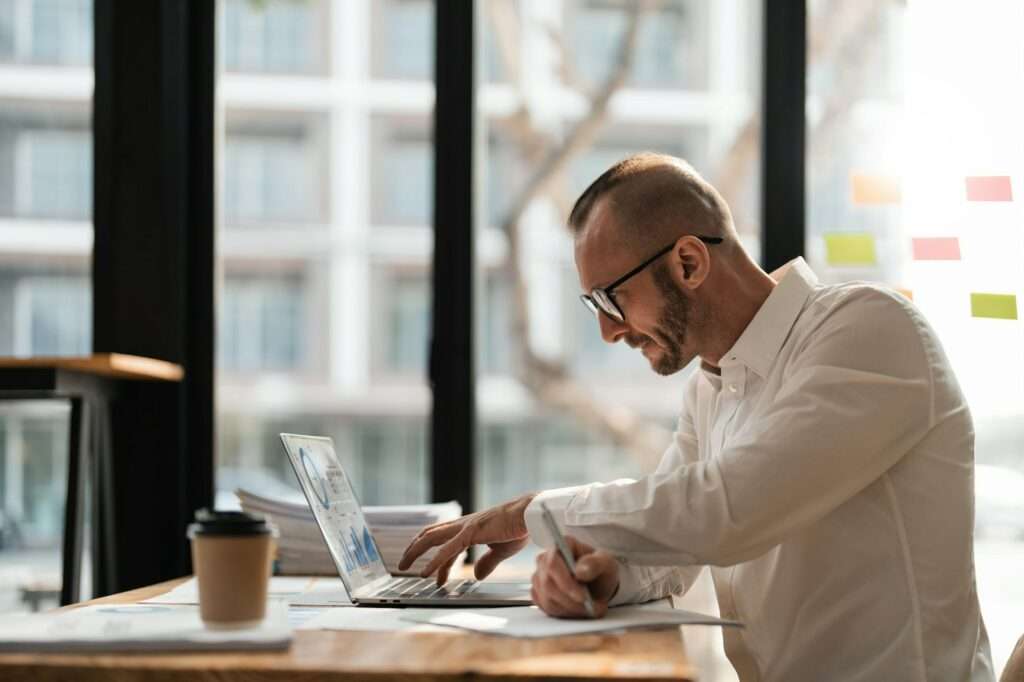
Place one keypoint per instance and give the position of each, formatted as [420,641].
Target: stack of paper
[301,547]
[140,627]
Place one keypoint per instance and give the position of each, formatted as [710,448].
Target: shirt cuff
[629,585]
[557,501]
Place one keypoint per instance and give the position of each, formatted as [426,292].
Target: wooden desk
[87,383]
[406,656]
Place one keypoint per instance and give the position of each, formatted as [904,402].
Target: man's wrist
[519,506]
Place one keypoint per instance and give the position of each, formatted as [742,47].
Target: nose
[611,330]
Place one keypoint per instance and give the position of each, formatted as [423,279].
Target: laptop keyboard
[421,588]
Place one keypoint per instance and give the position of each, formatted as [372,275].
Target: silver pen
[563,549]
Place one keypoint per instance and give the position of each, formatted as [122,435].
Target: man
[822,464]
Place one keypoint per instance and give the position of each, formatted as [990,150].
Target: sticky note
[874,189]
[989,188]
[906,292]
[999,306]
[850,249]
[936,248]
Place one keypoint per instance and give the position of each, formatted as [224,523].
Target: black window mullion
[452,375]
[783,129]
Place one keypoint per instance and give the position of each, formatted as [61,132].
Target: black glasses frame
[602,299]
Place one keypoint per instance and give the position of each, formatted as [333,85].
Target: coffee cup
[231,556]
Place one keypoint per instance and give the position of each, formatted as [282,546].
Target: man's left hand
[561,594]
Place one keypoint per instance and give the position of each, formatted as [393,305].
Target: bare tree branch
[549,381]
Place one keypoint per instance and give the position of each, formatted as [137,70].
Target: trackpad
[501,589]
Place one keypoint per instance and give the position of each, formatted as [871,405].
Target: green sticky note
[999,306]
[850,249]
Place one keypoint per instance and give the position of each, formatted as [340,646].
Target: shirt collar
[760,342]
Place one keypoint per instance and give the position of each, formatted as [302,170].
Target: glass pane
[274,37]
[45,255]
[403,39]
[325,191]
[692,92]
[915,181]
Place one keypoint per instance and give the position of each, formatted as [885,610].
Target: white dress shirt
[827,478]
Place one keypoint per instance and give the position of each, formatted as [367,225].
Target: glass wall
[915,178]
[325,189]
[692,91]
[46,233]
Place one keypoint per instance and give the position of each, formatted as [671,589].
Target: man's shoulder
[861,303]
[859,319]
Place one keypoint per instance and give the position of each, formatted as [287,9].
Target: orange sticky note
[867,189]
[989,188]
[906,292]
[936,248]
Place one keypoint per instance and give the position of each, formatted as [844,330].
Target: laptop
[337,511]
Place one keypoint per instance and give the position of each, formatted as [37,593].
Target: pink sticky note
[989,188]
[936,248]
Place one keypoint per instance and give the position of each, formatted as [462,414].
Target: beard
[672,324]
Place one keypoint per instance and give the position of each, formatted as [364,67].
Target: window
[262,326]
[672,43]
[672,56]
[273,170]
[407,332]
[914,181]
[403,172]
[45,251]
[274,37]
[326,188]
[54,316]
[52,32]
[48,159]
[676,99]
[403,44]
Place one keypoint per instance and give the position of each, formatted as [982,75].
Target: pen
[563,549]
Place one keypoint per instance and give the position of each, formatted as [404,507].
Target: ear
[693,261]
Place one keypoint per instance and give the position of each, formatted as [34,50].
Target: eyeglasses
[602,299]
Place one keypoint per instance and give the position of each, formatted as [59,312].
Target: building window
[403,173]
[56,175]
[671,43]
[52,316]
[402,42]
[271,174]
[261,323]
[279,36]
[407,327]
[57,32]
[495,351]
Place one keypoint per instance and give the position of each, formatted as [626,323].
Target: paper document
[530,621]
[372,620]
[301,548]
[296,590]
[139,627]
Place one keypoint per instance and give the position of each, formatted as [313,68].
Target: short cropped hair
[660,191]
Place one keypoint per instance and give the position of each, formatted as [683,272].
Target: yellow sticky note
[998,306]
[850,249]
[874,189]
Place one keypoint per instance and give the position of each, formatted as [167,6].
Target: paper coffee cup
[231,557]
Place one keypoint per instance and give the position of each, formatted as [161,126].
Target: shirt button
[733,388]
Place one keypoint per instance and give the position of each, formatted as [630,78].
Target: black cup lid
[213,522]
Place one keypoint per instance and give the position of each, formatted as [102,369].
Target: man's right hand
[501,528]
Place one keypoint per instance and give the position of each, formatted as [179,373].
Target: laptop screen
[336,509]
